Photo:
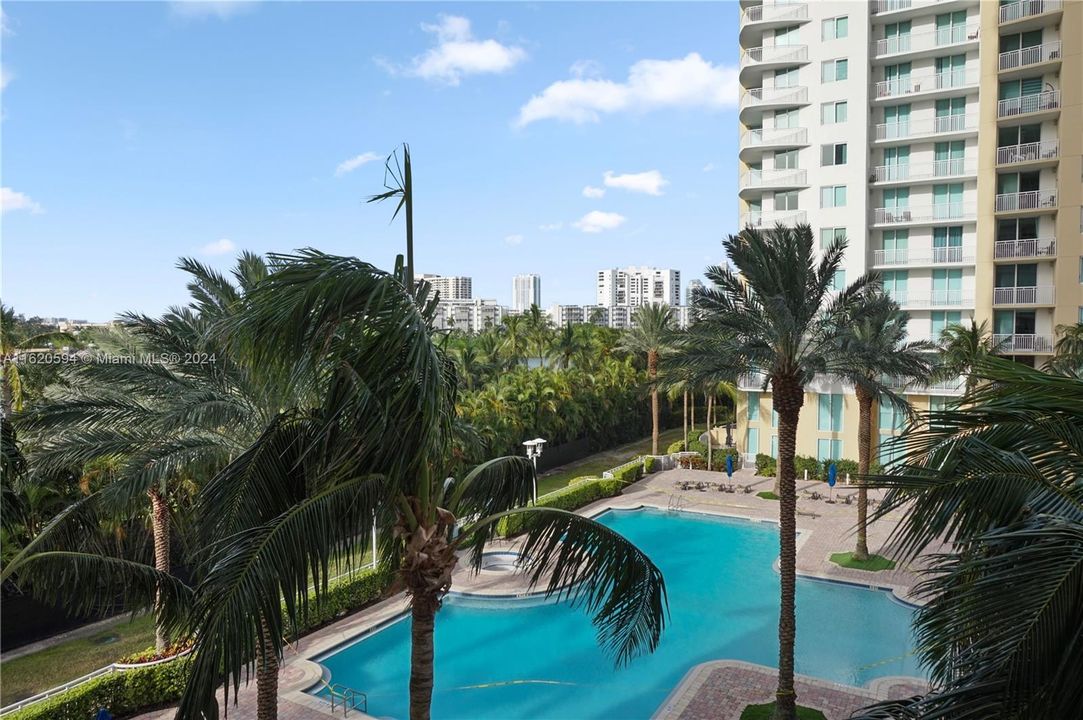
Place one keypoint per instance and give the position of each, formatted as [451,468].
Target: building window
[830,235]
[829,418]
[774,418]
[752,441]
[753,407]
[828,449]
[888,450]
[786,160]
[786,78]
[833,154]
[942,318]
[834,28]
[774,446]
[786,200]
[891,417]
[1081,270]
[834,70]
[833,196]
[833,112]
[838,280]
[785,119]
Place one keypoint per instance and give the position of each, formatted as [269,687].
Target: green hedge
[126,692]
[765,465]
[806,462]
[675,447]
[650,464]
[697,446]
[572,497]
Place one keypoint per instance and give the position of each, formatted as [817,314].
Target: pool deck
[717,690]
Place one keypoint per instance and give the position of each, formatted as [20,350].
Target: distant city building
[525,291]
[638,286]
[450,287]
[620,317]
[694,287]
[468,316]
[562,315]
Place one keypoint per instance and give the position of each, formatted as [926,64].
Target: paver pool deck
[718,690]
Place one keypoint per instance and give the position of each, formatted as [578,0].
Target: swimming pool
[507,659]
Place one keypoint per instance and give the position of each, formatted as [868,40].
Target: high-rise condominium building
[694,287]
[942,139]
[636,286]
[450,287]
[468,316]
[525,291]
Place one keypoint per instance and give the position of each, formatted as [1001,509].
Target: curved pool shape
[509,659]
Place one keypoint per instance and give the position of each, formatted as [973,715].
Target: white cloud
[5,77]
[550,227]
[593,192]
[218,247]
[514,239]
[458,54]
[596,221]
[688,82]
[5,26]
[585,69]
[11,200]
[348,166]
[650,182]
[204,9]
[708,167]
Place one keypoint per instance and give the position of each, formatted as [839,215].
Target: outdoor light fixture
[533,450]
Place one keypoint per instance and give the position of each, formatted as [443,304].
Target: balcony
[954,386]
[910,172]
[774,179]
[751,381]
[774,97]
[1044,150]
[1027,8]
[1026,201]
[1037,295]
[923,257]
[774,55]
[773,217]
[1015,343]
[775,12]
[932,299]
[1025,249]
[1048,101]
[936,126]
[879,7]
[1033,55]
[925,41]
[772,138]
[925,84]
[939,212]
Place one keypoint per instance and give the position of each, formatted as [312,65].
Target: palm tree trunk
[684,414]
[864,452]
[267,679]
[692,401]
[652,373]
[710,402]
[160,526]
[788,397]
[7,394]
[423,610]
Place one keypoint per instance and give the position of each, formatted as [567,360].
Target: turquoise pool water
[723,595]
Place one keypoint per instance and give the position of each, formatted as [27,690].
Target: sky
[552,138]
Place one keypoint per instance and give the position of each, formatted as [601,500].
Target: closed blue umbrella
[832,472]
[729,465]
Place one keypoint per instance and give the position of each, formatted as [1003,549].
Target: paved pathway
[708,691]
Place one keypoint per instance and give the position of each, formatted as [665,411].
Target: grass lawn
[599,462]
[767,711]
[30,674]
[873,564]
[767,495]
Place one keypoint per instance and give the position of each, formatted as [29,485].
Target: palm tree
[322,473]
[774,312]
[1002,628]
[1068,353]
[961,348]
[538,331]
[399,183]
[13,338]
[875,355]
[651,335]
[515,339]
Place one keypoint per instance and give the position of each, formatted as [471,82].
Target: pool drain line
[503,683]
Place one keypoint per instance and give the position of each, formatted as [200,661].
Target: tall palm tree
[961,348]
[651,335]
[998,479]
[538,331]
[14,338]
[372,446]
[775,312]
[515,339]
[1068,352]
[875,355]
[399,184]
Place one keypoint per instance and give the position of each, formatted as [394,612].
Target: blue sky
[556,138]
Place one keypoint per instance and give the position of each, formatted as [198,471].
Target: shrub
[697,446]
[675,447]
[628,474]
[696,462]
[765,465]
[650,464]
[571,497]
[842,466]
[126,692]
[807,462]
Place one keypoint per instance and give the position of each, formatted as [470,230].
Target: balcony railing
[775,53]
[774,136]
[1030,200]
[927,256]
[927,213]
[927,40]
[773,12]
[932,299]
[1037,295]
[1023,343]
[886,6]
[924,171]
[1030,55]
[1026,248]
[926,126]
[751,381]
[773,217]
[1038,102]
[911,85]
[775,96]
[773,178]
[1028,152]
[1026,8]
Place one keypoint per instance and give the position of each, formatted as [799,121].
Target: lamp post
[533,451]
